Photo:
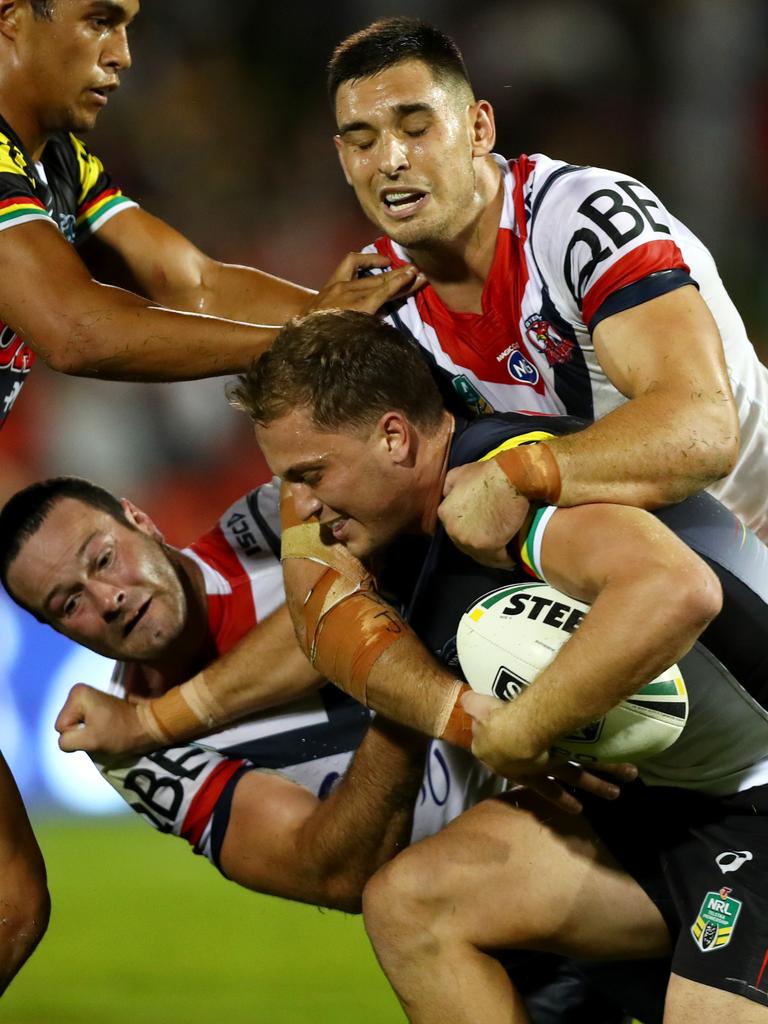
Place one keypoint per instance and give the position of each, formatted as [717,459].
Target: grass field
[143,932]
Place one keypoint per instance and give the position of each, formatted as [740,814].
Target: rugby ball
[507,637]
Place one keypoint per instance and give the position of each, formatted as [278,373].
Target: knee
[24,916]
[404,906]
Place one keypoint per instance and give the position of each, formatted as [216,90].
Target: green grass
[143,932]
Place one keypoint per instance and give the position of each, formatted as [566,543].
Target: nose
[304,501]
[109,599]
[117,52]
[393,154]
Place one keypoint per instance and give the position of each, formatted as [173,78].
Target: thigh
[518,873]
[691,1001]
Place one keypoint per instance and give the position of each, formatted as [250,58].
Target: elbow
[345,893]
[719,442]
[63,353]
[698,598]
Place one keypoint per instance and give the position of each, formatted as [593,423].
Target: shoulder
[246,537]
[486,436]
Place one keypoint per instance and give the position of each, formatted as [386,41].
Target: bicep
[139,251]
[586,547]
[261,848]
[44,283]
[668,342]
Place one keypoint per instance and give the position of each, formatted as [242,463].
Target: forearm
[265,668]
[366,820]
[363,646]
[649,452]
[240,293]
[124,337]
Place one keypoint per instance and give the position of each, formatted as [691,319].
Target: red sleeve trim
[646,259]
[206,798]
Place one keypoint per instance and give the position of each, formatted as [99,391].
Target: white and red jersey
[576,245]
[187,789]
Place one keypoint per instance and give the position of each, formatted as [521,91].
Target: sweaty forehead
[405,84]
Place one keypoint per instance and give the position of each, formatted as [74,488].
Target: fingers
[551,791]
[73,710]
[479,706]
[354,262]
[577,775]
[347,290]
[74,739]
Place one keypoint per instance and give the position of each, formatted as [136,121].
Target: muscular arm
[140,252]
[678,432]
[651,598]
[265,668]
[404,681]
[80,326]
[24,901]
[284,841]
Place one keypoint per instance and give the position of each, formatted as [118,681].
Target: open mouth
[136,618]
[403,202]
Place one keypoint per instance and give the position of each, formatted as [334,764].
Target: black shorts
[704,862]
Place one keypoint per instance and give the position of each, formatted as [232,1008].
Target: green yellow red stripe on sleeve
[19,209]
[93,213]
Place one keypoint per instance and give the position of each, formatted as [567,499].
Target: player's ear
[483,128]
[140,520]
[397,437]
[10,15]
[340,153]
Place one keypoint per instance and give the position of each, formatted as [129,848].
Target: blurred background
[222,129]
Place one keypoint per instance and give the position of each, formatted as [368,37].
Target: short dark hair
[348,368]
[25,512]
[389,41]
[42,8]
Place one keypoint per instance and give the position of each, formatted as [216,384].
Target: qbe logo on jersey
[717,918]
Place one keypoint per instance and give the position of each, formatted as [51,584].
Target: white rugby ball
[507,637]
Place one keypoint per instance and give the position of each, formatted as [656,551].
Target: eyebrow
[401,109]
[298,470]
[111,7]
[54,592]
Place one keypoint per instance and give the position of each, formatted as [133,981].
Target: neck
[458,267]
[435,466]
[21,116]
[193,649]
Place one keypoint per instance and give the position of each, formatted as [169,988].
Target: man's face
[108,586]
[355,482]
[72,61]
[405,141]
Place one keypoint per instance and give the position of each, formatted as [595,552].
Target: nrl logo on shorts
[545,338]
[716,920]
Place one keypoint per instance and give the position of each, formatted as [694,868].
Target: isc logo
[553,613]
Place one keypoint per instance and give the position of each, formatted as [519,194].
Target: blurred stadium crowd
[223,130]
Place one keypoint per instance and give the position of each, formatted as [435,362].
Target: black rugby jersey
[724,746]
[69,187]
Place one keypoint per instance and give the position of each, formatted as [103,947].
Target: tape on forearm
[182,712]
[305,541]
[347,631]
[457,727]
[533,471]
[151,725]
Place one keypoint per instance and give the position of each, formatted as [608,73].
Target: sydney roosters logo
[543,336]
